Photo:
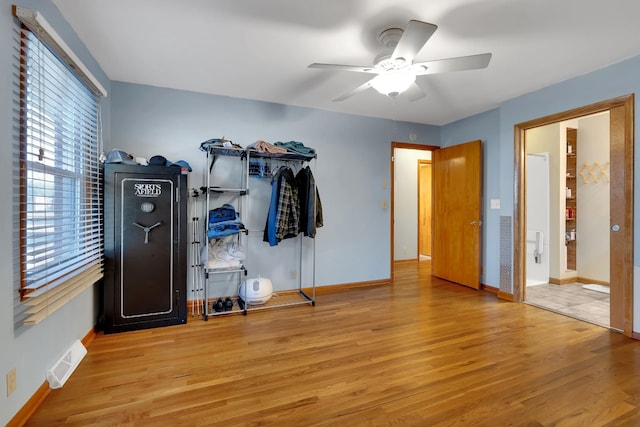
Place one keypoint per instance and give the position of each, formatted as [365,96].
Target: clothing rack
[223,284]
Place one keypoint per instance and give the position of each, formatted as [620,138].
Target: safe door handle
[147,230]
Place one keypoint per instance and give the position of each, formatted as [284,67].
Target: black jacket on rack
[310,206]
[295,206]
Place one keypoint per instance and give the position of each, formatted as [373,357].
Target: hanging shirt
[288,215]
[271,226]
[310,206]
[295,206]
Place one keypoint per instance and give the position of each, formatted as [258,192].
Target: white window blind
[61,237]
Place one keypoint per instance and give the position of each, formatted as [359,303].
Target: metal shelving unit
[281,298]
[233,275]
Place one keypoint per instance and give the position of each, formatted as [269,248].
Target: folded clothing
[265,147]
[298,148]
[223,254]
[223,213]
[225,228]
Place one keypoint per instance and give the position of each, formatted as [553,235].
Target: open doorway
[405,196]
[567,215]
[620,225]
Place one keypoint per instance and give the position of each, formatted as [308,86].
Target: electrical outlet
[11,381]
[293,274]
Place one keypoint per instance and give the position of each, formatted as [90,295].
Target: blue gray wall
[353,161]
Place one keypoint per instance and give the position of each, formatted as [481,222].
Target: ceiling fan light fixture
[393,83]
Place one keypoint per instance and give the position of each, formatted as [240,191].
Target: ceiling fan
[394,68]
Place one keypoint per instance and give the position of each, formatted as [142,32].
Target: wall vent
[506,254]
[64,367]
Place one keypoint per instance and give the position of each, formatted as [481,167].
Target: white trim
[36,23]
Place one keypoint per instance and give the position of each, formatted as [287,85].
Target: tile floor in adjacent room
[571,300]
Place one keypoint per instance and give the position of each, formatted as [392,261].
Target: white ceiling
[260,49]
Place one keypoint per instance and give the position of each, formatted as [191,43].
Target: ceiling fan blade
[461,63]
[338,67]
[413,39]
[357,90]
[413,93]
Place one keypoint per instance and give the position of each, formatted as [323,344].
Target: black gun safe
[145,223]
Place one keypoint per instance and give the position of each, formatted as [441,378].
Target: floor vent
[64,367]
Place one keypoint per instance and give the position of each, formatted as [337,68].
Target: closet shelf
[235,310]
[240,191]
[243,152]
[223,270]
[571,202]
[224,151]
[284,299]
[288,156]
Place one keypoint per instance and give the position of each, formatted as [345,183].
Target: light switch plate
[495,203]
[11,381]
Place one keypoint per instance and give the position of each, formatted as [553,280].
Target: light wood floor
[420,352]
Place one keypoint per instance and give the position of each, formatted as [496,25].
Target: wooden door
[457,214]
[424,207]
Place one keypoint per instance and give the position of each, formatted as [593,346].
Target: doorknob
[615,227]
[476,223]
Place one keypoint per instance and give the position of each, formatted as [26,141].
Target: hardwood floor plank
[419,351]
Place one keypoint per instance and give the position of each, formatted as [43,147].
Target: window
[61,238]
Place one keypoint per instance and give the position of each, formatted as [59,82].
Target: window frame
[65,168]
